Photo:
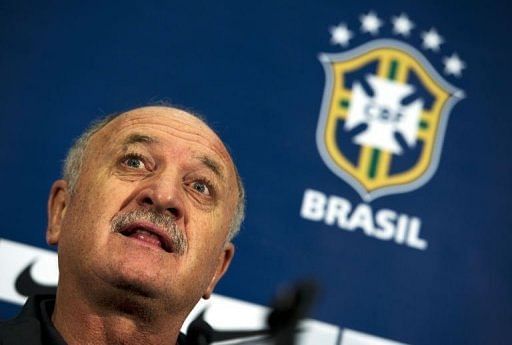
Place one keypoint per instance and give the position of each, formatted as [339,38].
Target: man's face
[148,173]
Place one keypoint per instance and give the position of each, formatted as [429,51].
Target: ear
[222,266]
[57,205]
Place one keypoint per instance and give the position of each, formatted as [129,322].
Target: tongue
[143,235]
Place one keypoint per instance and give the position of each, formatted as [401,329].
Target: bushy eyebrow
[137,138]
[213,166]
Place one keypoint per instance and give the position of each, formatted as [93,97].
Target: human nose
[162,193]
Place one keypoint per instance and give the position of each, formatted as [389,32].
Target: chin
[131,299]
[116,276]
[137,282]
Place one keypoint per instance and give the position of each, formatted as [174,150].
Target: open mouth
[149,234]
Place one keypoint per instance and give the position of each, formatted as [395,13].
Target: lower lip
[139,239]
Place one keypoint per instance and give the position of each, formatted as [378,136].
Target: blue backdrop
[253,69]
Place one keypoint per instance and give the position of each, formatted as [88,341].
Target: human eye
[203,187]
[133,161]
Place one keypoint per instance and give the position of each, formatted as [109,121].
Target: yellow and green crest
[383,117]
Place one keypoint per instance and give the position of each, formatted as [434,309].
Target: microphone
[288,309]
[199,332]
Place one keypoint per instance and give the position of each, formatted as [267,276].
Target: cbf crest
[385,109]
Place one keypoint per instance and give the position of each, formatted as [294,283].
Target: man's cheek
[222,220]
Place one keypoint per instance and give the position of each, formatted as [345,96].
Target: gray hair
[75,160]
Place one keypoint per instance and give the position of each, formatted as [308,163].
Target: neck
[118,318]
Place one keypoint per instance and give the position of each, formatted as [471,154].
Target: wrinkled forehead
[166,122]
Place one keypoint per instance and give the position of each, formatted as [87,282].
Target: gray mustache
[162,221]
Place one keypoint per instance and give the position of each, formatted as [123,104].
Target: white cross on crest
[384,114]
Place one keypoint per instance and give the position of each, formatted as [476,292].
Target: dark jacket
[33,325]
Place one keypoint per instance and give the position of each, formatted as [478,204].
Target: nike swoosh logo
[199,330]
[26,285]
